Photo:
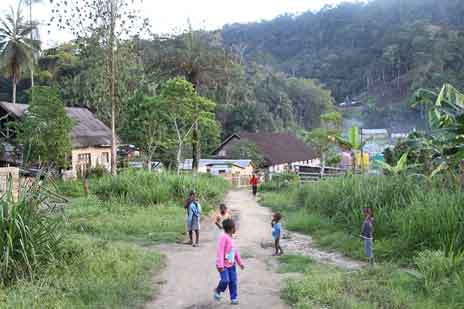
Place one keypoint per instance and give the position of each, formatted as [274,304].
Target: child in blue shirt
[277,233]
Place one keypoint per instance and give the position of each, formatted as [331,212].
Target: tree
[44,133]
[31,24]
[106,22]
[16,46]
[353,144]
[247,150]
[193,56]
[446,122]
[148,126]
[184,108]
[324,139]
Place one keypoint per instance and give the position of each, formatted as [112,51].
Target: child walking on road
[277,233]
[367,232]
[227,257]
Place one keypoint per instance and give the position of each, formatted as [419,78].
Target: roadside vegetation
[384,286]
[418,225]
[89,254]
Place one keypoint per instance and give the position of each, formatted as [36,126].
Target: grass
[100,264]
[91,274]
[411,215]
[384,286]
[293,263]
[417,223]
[113,220]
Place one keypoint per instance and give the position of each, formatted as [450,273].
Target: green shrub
[437,268]
[280,181]
[29,237]
[98,172]
[71,188]
[145,188]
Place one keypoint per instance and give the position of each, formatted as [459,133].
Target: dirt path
[190,277]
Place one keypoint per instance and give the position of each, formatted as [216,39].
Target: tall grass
[145,188]
[29,237]
[411,214]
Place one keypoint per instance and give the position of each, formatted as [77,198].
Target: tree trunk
[322,165]
[179,157]
[32,64]
[113,93]
[14,88]
[196,154]
[195,148]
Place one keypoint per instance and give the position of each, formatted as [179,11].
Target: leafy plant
[29,237]
[399,168]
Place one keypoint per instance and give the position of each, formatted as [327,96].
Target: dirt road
[190,276]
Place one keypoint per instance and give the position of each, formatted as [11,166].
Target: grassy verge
[90,274]
[417,223]
[115,220]
[411,215]
[99,265]
[385,286]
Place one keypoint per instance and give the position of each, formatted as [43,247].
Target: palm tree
[16,46]
[31,23]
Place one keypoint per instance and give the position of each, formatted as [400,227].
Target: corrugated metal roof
[88,130]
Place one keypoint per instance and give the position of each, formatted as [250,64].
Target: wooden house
[91,138]
[281,151]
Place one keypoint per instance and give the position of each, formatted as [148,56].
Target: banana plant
[352,143]
[399,168]
[446,120]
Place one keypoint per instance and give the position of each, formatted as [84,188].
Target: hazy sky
[171,15]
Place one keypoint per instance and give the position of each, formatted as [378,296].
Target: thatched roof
[277,148]
[88,131]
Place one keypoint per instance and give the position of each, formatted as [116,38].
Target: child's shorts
[369,248]
[194,224]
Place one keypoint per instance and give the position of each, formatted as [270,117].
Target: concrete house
[281,151]
[91,138]
[222,167]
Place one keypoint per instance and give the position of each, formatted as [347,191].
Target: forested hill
[385,47]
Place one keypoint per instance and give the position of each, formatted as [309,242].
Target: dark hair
[228,225]
[277,216]
[222,206]
[368,211]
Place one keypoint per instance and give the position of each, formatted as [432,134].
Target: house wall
[285,167]
[99,156]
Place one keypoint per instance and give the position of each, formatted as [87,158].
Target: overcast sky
[167,16]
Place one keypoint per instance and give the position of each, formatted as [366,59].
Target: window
[84,159]
[105,157]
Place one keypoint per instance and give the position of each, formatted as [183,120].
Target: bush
[145,188]
[280,181]
[437,268]
[29,237]
[98,172]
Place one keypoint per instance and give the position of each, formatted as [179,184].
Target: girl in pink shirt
[227,255]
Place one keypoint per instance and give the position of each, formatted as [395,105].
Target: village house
[91,138]
[222,167]
[281,151]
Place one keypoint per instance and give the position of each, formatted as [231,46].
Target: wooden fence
[238,181]
[316,173]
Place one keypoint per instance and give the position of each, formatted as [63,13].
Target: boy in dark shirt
[367,232]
